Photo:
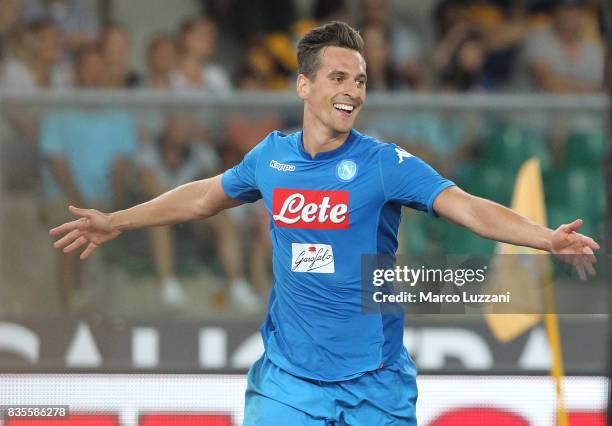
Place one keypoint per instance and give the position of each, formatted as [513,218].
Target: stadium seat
[585,149]
[509,147]
[492,182]
[504,147]
[577,193]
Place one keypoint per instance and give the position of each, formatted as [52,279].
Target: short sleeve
[52,140]
[240,182]
[409,180]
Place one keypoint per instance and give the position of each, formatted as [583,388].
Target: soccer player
[332,194]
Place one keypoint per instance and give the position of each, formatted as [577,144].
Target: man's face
[568,20]
[200,40]
[335,95]
[90,70]
[49,46]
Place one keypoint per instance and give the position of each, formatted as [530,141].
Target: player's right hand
[93,227]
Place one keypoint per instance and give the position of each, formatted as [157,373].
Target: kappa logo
[401,154]
[282,167]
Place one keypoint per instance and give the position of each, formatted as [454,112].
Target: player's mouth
[345,109]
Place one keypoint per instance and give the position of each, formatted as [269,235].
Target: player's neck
[316,137]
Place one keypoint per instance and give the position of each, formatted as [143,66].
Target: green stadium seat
[491,182]
[508,147]
[577,193]
[586,149]
[504,147]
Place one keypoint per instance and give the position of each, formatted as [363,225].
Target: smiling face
[334,96]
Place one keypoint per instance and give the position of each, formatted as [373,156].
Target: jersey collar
[328,155]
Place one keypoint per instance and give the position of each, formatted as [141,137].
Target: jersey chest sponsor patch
[315,258]
[310,209]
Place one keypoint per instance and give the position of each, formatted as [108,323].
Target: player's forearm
[181,204]
[496,222]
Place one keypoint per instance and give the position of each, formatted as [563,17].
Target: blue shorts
[386,396]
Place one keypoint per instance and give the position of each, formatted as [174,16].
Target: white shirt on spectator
[586,66]
[214,79]
[15,75]
[201,162]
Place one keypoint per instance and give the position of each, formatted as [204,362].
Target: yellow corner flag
[528,200]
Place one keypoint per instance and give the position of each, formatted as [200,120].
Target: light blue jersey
[325,212]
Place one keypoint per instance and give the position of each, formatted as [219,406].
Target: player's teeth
[344,107]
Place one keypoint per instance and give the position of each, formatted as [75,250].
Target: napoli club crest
[346,170]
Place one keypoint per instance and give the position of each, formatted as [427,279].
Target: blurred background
[107,103]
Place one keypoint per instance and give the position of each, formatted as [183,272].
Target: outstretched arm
[496,222]
[195,200]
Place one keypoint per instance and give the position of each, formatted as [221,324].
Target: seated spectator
[405,47]
[561,58]
[87,154]
[34,61]
[181,155]
[9,12]
[115,51]
[464,71]
[78,25]
[161,61]
[503,27]
[267,65]
[381,75]
[195,72]
[498,26]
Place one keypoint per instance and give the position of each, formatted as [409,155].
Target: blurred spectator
[324,11]
[464,71]
[244,20]
[405,46]
[497,26]
[115,51]
[180,155]
[269,64]
[161,61]
[77,24]
[562,58]
[503,27]
[197,44]
[87,155]
[381,75]
[9,12]
[34,60]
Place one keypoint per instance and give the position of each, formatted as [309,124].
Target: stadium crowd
[101,158]
[479,45]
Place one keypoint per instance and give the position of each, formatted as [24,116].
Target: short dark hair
[335,33]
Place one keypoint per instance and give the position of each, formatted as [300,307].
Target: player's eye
[337,79]
[361,83]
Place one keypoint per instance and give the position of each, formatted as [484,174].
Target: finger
[590,256]
[590,269]
[75,244]
[88,251]
[84,213]
[590,242]
[67,239]
[574,226]
[581,273]
[63,228]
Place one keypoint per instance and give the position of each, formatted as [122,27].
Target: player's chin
[344,126]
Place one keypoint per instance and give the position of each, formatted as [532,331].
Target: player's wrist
[117,221]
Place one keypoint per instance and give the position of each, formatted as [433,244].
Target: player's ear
[303,86]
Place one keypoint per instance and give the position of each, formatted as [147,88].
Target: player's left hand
[574,248]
